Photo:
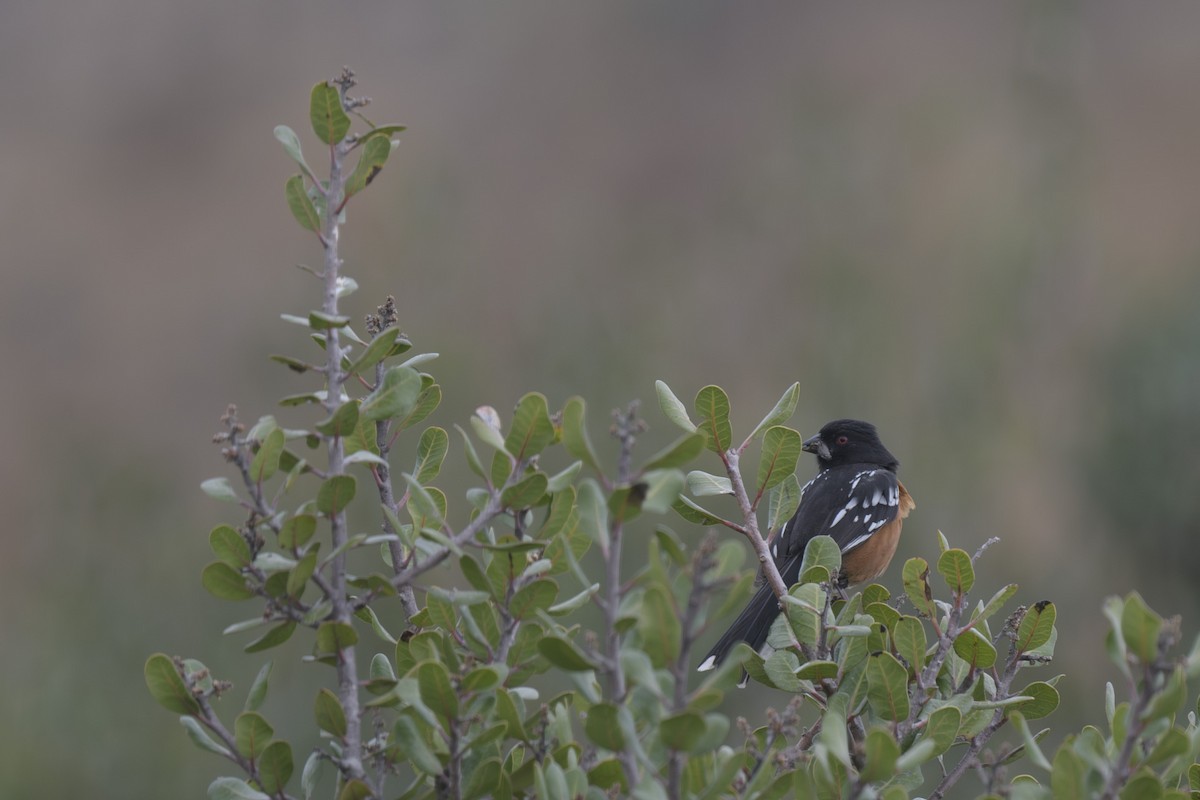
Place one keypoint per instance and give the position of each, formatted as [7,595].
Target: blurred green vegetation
[975,226]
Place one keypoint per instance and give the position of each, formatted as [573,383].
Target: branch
[750,526]
[351,761]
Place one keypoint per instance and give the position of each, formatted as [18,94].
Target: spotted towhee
[856,499]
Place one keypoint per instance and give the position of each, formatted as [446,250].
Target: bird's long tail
[751,627]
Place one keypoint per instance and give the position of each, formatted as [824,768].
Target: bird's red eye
[843,440]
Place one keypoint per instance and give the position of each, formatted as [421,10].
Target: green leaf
[780,452]
[915,576]
[275,766]
[822,560]
[251,732]
[1143,785]
[330,715]
[1067,774]
[320,321]
[1036,626]
[1031,746]
[427,402]
[908,634]
[782,502]
[266,460]
[882,752]
[219,489]
[659,625]
[423,505]
[573,603]
[297,530]
[225,582]
[431,452]
[1168,701]
[1173,743]
[534,597]
[781,668]
[368,615]
[229,546]
[677,453]
[955,566]
[396,395]
[335,494]
[413,746]
[915,756]
[298,577]
[941,728]
[998,600]
[527,493]
[472,456]
[310,776]
[258,689]
[593,513]
[436,690]
[974,648]
[300,205]
[563,654]
[1044,702]
[1140,627]
[383,130]
[333,637]
[233,789]
[702,484]
[379,349]
[291,143]
[374,155]
[531,429]
[681,731]
[781,413]
[603,726]
[167,687]
[672,408]
[887,687]
[200,737]
[695,514]
[574,433]
[662,489]
[712,406]
[329,120]
[272,638]
[342,422]
[355,789]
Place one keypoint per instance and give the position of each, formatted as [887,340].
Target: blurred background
[977,225]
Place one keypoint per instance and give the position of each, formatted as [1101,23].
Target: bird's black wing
[848,503]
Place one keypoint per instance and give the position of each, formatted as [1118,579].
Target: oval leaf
[330,715]
[275,766]
[167,687]
[225,582]
[887,687]
[955,566]
[329,120]
[1036,626]
[300,205]
[335,494]
[712,406]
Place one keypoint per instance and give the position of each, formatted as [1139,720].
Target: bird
[856,499]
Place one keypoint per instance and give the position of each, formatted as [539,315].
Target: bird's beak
[816,445]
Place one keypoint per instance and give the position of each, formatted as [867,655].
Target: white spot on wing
[855,542]
[708,664]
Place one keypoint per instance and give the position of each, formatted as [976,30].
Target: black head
[850,441]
